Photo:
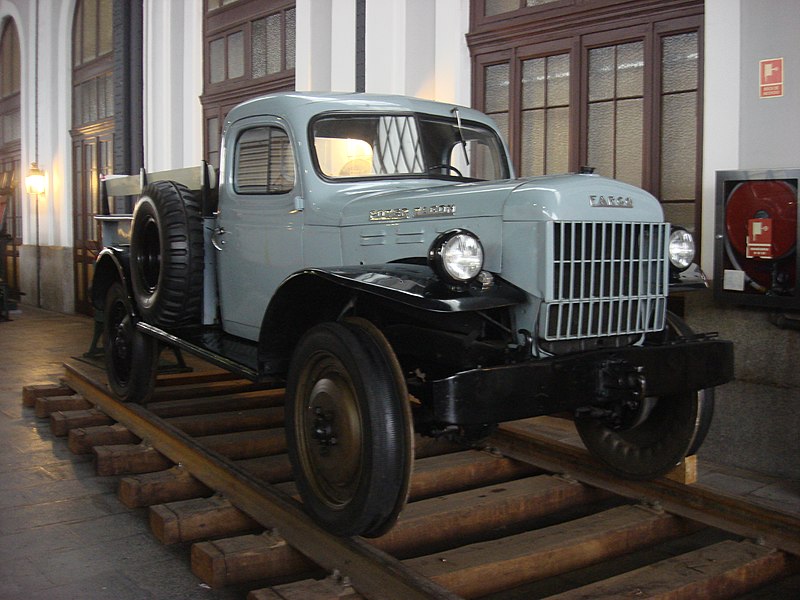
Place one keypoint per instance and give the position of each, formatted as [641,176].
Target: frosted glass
[533,83]
[558,79]
[629,148]
[89,31]
[501,120]
[258,52]
[557,140]
[601,138]
[106,27]
[630,69]
[496,91]
[274,44]
[532,143]
[678,146]
[216,51]
[679,63]
[601,73]
[290,38]
[236,55]
[496,7]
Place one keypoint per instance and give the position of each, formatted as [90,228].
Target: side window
[263,162]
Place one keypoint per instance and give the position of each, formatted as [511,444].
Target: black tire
[167,255]
[131,357]
[673,429]
[348,429]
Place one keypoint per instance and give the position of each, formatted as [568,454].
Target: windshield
[398,145]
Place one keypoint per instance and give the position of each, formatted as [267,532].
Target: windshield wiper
[460,134]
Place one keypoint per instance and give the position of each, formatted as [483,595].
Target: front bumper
[546,386]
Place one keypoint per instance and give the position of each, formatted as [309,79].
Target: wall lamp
[35,180]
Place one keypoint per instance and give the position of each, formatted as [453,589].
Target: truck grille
[607,279]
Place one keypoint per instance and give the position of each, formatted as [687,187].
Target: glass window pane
[533,83]
[630,127]
[680,59]
[532,143]
[496,91]
[89,30]
[258,52]
[236,55]
[501,120]
[630,70]
[106,27]
[601,139]
[290,38]
[558,79]
[601,73]
[77,37]
[557,140]
[216,51]
[679,146]
[496,7]
[274,44]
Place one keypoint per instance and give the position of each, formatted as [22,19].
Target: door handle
[218,244]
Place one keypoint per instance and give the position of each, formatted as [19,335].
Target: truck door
[258,230]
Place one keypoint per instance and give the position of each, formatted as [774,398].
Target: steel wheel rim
[121,335]
[329,431]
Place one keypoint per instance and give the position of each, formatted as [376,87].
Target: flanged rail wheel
[131,357]
[167,255]
[670,429]
[349,429]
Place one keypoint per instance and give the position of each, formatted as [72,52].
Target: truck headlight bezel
[681,249]
[456,256]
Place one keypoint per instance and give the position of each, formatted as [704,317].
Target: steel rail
[712,508]
[372,572]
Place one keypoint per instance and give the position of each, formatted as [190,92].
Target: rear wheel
[663,433]
[131,357]
[349,429]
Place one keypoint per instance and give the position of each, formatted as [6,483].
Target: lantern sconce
[36,180]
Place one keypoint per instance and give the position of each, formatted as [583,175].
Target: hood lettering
[397,214]
[610,201]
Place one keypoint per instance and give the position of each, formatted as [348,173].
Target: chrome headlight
[456,256]
[681,249]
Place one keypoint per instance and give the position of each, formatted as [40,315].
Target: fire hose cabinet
[756,234]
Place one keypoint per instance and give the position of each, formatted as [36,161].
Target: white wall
[413,47]
[721,113]
[173,83]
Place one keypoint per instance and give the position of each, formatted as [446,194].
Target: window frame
[237,155]
[577,26]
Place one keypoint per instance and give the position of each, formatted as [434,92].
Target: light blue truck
[377,255]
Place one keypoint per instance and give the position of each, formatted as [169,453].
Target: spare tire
[167,255]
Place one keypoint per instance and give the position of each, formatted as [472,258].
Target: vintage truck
[377,255]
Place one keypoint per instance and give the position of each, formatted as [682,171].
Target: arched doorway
[10,157]
[92,132]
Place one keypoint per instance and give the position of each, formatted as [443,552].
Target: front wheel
[131,357]
[665,432]
[349,428]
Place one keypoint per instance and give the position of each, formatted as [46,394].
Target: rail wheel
[659,435]
[130,355]
[349,428]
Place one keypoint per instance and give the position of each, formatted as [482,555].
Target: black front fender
[417,286]
[112,264]
[315,295]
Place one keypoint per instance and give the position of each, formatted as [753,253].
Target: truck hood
[552,198]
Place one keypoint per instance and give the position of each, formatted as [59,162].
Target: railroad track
[531,516]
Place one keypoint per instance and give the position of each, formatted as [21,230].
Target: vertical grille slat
[607,279]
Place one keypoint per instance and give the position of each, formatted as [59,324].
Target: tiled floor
[64,534]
